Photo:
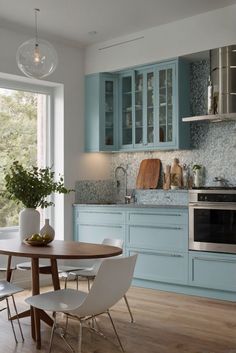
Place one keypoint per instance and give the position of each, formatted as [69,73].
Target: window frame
[49,91]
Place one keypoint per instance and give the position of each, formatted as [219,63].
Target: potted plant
[31,187]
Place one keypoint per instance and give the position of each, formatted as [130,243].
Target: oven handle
[213,206]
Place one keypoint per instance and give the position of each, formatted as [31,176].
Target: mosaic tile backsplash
[213,147]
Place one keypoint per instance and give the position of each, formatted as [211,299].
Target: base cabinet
[160,237]
[214,271]
[161,266]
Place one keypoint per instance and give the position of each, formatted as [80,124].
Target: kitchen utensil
[148,175]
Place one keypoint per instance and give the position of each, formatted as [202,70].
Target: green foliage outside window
[18,140]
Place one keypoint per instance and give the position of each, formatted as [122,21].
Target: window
[25,118]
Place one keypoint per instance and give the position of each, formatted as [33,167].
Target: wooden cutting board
[148,175]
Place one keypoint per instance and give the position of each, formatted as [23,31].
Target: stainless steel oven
[212,219]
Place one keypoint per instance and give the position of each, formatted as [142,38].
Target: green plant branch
[31,186]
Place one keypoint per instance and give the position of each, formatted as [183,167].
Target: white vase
[29,222]
[47,229]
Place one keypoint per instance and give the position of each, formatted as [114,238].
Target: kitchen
[213,143]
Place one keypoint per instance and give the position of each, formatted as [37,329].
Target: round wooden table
[58,249]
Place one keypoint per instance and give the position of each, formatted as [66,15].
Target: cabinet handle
[214,260]
[168,215]
[159,253]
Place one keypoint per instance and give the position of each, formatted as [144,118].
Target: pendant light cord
[36,25]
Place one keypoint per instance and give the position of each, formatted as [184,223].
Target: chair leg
[129,310]
[52,332]
[17,316]
[80,337]
[9,318]
[116,333]
[66,282]
[89,286]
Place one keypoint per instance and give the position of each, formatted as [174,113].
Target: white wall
[70,72]
[210,30]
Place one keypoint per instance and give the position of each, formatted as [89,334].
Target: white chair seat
[64,300]
[87,272]
[26,266]
[7,289]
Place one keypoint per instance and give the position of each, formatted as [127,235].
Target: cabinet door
[161,266]
[144,112]
[127,113]
[213,271]
[139,109]
[108,126]
[166,107]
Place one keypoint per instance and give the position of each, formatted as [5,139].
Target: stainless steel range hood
[221,86]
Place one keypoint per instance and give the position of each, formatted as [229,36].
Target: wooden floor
[164,323]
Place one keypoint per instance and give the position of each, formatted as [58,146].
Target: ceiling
[74,20]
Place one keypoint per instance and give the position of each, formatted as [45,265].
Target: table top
[58,249]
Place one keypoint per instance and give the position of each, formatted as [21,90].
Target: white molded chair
[91,272]
[112,281]
[8,290]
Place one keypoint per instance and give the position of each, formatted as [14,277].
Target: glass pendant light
[36,57]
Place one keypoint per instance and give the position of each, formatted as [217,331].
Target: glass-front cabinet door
[127,113]
[138,111]
[109,128]
[166,105]
[150,113]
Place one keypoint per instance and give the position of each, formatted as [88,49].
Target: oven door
[212,227]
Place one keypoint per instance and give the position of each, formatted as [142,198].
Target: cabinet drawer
[170,237]
[161,266]
[104,217]
[162,216]
[214,272]
[96,233]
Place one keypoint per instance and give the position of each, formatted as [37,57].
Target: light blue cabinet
[92,225]
[211,270]
[138,109]
[160,237]
[101,112]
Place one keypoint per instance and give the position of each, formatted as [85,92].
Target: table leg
[35,318]
[9,270]
[55,277]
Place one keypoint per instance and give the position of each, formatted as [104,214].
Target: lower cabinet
[160,237]
[92,225]
[212,271]
[161,266]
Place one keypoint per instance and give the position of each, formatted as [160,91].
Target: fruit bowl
[43,242]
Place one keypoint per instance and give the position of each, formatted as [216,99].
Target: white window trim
[55,151]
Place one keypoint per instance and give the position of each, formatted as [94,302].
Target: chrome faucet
[124,170]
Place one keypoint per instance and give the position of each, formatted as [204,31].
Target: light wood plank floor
[164,323]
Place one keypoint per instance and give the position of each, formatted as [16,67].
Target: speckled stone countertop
[129,205]
[144,199]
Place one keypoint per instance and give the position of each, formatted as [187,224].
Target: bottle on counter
[185,176]
[176,175]
[166,182]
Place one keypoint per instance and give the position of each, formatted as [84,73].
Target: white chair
[26,266]
[110,285]
[91,272]
[8,290]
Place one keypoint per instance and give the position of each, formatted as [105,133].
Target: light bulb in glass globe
[36,59]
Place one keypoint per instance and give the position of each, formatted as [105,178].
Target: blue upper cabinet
[138,109]
[101,107]
[153,106]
